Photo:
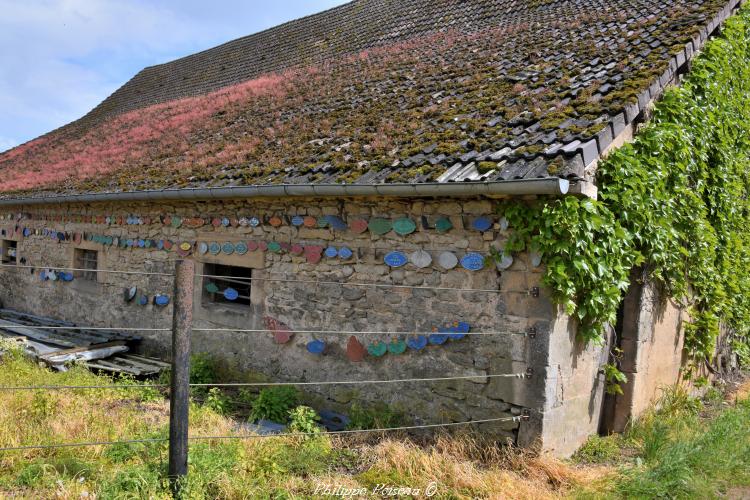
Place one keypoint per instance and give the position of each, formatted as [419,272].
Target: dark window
[86,259]
[8,251]
[222,278]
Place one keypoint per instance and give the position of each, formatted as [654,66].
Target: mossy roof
[380,91]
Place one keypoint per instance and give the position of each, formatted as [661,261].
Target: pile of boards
[58,343]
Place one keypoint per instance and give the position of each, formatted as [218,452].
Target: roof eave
[553,186]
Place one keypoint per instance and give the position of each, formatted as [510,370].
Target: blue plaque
[473,261]
[316,347]
[396,259]
[240,248]
[459,330]
[231,294]
[228,248]
[482,224]
[345,253]
[336,222]
[214,248]
[417,343]
[298,220]
[331,252]
[438,338]
[161,300]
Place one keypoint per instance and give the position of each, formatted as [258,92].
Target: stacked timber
[60,343]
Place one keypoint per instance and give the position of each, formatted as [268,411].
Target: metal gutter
[548,186]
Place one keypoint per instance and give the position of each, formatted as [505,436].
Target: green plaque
[377,349]
[274,247]
[397,347]
[379,226]
[443,225]
[404,226]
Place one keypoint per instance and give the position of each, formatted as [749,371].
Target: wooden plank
[31,333]
[87,348]
[84,355]
[144,362]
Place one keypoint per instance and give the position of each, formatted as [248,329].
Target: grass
[685,450]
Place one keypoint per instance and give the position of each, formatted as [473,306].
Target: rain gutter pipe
[548,186]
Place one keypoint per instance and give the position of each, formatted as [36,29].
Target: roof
[380,91]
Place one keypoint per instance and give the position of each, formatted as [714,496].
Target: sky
[60,58]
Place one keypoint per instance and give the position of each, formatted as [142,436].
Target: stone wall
[563,393]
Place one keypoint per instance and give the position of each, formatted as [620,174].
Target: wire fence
[530,291]
[111,271]
[519,375]
[270,435]
[177,391]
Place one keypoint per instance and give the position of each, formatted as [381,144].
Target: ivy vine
[675,200]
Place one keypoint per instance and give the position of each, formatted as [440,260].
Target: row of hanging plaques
[132,295]
[377,225]
[356,351]
[472,261]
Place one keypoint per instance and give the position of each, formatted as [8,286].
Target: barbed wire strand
[262,436]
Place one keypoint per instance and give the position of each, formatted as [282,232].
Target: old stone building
[336,180]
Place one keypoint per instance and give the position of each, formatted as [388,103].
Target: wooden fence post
[179,400]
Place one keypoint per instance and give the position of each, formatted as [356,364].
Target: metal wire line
[358,431]
[264,384]
[277,280]
[352,332]
[262,330]
[111,271]
[81,445]
[90,328]
[375,285]
[264,436]
[363,382]
[75,387]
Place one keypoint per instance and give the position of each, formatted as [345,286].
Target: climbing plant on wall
[676,200]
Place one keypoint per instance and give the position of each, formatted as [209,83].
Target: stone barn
[337,181]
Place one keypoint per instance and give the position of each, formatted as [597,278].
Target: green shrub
[30,475]
[274,403]
[203,369]
[304,419]
[135,482]
[598,450]
[218,401]
[378,416]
